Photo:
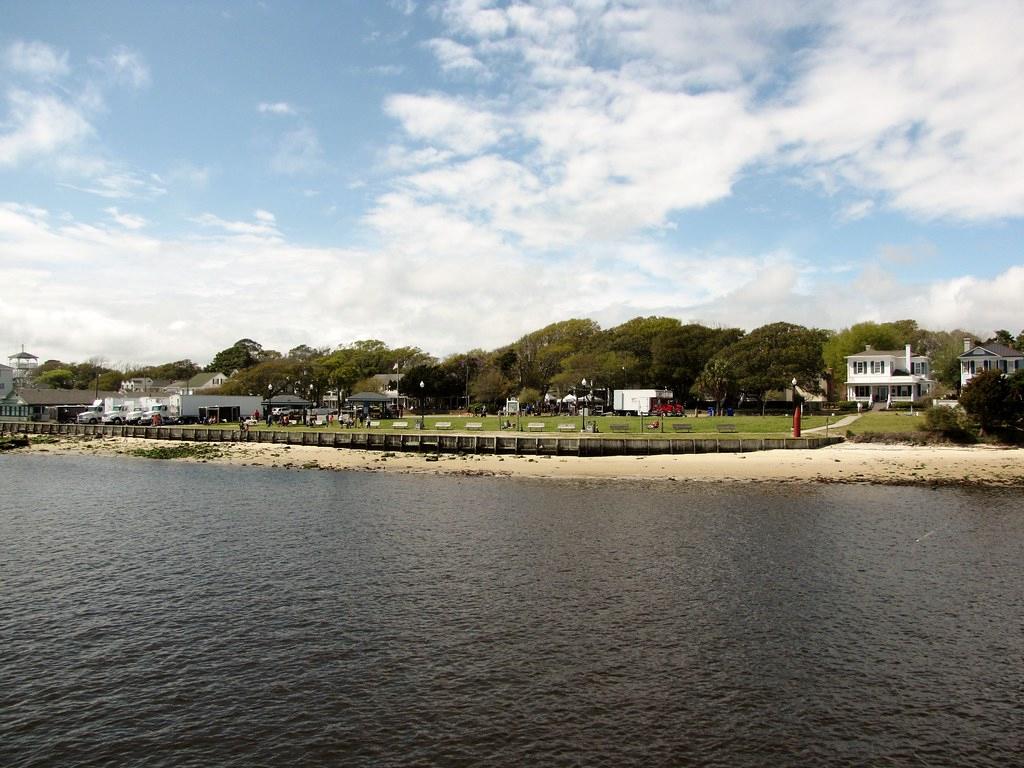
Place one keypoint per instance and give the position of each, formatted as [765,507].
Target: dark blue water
[165,614]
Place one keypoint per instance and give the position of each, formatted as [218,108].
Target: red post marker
[796,420]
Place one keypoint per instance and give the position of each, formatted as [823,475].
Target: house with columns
[887,376]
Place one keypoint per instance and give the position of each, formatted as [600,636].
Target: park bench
[677,427]
[474,425]
[726,427]
[535,426]
[399,424]
[443,425]
[372,424]
[566,427]
[619,427]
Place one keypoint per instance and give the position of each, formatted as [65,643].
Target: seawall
[554,445]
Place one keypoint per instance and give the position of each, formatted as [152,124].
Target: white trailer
[219,407]
[639,401]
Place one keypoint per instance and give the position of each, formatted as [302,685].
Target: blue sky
[451,175]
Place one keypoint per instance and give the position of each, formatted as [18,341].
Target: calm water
[163,614]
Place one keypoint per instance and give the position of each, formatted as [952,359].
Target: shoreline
[871,463]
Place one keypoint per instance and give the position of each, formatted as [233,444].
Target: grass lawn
[885,421]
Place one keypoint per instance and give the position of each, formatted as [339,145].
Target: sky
[175,176]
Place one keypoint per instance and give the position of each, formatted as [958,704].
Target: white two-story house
[887,376]
[988,357]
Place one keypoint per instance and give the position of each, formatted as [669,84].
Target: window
[862,391]
[878,366]
[859,367]
[903,390]
[920,369]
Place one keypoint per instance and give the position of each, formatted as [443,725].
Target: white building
[988,357]
[887,376]
[6,380]
[202,382]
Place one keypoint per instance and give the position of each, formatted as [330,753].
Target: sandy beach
[843,463]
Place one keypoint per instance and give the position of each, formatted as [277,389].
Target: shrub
[947,422]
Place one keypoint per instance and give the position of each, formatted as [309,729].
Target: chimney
[910,369]
[867,347]
[968,343]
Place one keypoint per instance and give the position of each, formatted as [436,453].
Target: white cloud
[264,226]
[276,108]
[437,276]
[37,60]
[125,67]
[453,56]
[938,126]
[126,220]
[298,152]
[857,210]
[38,124]
[455,126]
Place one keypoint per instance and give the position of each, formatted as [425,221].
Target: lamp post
[422,425]
[270,402]
[796,411]
[583,408]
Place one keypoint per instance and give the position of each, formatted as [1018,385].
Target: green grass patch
[890,422]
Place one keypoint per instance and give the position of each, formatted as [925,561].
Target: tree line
[693,360]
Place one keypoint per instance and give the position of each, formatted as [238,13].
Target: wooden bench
[619,427]
[535,426]
[726,427]
[566,427]
[442,425]
[399,424]
[677,427]
[474,425]
[372,424]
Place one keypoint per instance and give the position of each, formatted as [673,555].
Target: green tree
[539,355]
[491,387]
[986,400]
[680,354]
[856,339]
[243,354]
[1003,337]
[716,382]
[56,378]
[770,357]
[638,338]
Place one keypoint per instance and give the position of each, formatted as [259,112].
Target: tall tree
[716,382]
[770,357]
[680,354]
[243,354]
[638,338]
[986,398]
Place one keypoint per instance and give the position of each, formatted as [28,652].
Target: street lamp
[796,411]
[422,385]
[583,408]
[270,401]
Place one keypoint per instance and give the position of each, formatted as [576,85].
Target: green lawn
[885,421]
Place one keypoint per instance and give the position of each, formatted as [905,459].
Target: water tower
[24,365]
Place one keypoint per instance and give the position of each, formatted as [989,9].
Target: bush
[947,422]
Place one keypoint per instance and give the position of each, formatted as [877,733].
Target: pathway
[841,423]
